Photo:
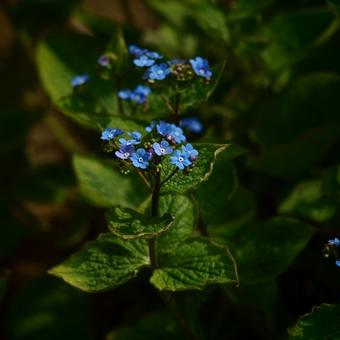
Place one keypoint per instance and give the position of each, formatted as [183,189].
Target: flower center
[140,159]
[126,154]
[159,72]
[201,71]
[181,159]
[162,150]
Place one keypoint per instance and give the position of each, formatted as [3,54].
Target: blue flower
[135,50]
[180,159]
[159,72]
[103,61]
[123,141]
[110,133]
[143,61]
[80,80]
[151,126]
[201,67]
[135,135]
[124,94]
[190,151]
[140,158]
[125,151]
[192,124]
[171,132]
[162,149]
[145,90]
[337,262]
[335,242]
[154,55]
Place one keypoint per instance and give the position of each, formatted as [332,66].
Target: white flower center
[140,159]
[181,159]
[126,154]
[159,72]
[201,71]
[162,150]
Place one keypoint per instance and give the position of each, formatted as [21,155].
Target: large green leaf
[182,208]
[298,125]
[104,263]
[102,184]
[193,265]
[182,182]
[268,248]
[129,224]
[322,323]
[308,200]
[214,194]
[59,59]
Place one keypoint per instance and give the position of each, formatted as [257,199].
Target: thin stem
[166,179]
[168,105]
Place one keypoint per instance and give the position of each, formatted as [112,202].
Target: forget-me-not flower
[192,124]
[143,61]
[158,72]
[151,126]
[140,158]
[163,148]
[171,132]
[125,151]
[334,242]
[80,80]
[201,67]
[180,159]
[189,151]
[110,133]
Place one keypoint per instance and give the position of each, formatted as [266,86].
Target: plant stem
[165,295]
[118,88]
[145,180]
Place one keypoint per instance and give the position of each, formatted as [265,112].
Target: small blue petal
[201,67]
[80,80]
[143,61]
[159,72]
[337,262]
[110,133]
[192,124]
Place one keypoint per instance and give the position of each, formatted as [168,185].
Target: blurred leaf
[214,194]
[308,200]
[102,184]
[238,211]
[268,248]
[104,263]
[322,323]
[298,126]
[154,326]
[331,181]
[182,182]
[117,47]
[129,224]
[49,309]
[244,8]
[182,208]
[193,265]
[60,59]
[292,34]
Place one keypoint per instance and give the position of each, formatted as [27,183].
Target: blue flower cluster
[192,124]
[159,71]
[145,152]
[139,95]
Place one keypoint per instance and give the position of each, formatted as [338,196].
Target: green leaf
[102,184]
[308,200]
[331,182]
[59,59]
[129,224]
[214,194]
[104,263]
[193,265]
[117,47]
[268,248]
[322,323]
[182,208]
[244,8]
[297,126]
[182,182]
